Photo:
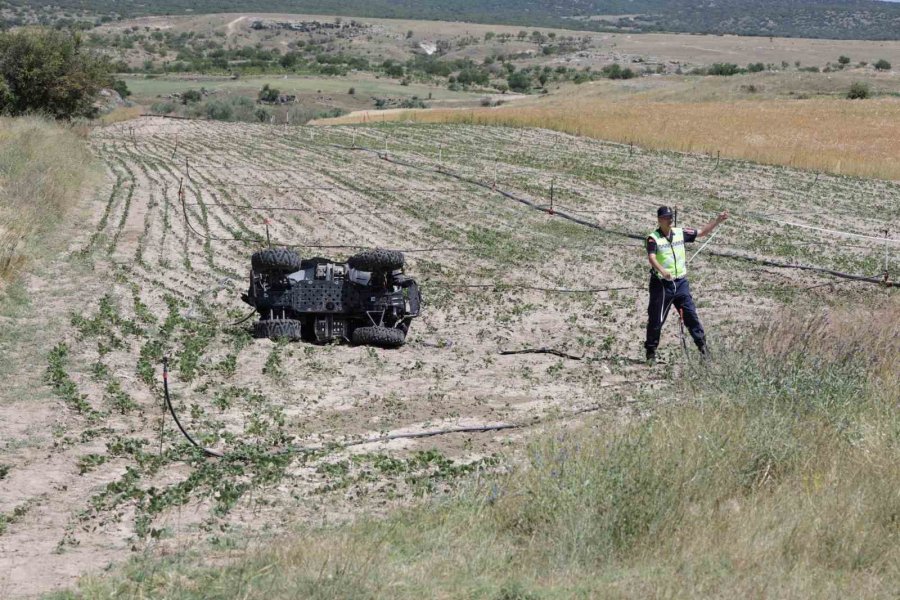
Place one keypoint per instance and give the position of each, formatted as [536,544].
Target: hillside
[149,275]
[855,19]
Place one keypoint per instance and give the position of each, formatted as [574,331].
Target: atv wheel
[380,337]
[377,260]
[274,329]
[275,260]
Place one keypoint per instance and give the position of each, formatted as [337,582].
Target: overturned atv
[367,300]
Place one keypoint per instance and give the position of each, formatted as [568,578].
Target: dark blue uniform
[665,294]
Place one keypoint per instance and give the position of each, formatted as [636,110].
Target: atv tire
[275,329]
[380,337]
[377,260]
[275,260]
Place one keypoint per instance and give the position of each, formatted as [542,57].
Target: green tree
[882,65]
[49,71]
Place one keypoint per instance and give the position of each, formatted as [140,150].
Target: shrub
[882,65]
[859,91]
[191,96]
[723,69]
[756,67]
[163,108]
[519,82]
[414,102]
[614,71]
[268,94]
[219,110]
[47,71]
[844,60]
[352,91]
[121,88]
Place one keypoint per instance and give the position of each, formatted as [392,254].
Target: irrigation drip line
[245,240]
[331,188]
[173,117]
[883,240]
[720,253]
[502,286]
[168,400]
[281,208]
[559,353]
[380,438]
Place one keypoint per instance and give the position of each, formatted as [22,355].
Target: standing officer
[668,278]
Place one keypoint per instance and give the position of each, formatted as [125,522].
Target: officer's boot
[704,351]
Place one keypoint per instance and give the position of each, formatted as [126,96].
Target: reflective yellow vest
[671,255]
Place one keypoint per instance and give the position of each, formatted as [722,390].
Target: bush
[47,71]
[756,67]
[519,82]
[859,91]
[121,88]
[219,110]
[844,60]
[269,94]
[882,65]
[163,108]
[614,71]
[723,69]
[191,96]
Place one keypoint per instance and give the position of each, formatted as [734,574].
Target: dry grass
[776,479]
[836,136]
[42,170]
[124,113]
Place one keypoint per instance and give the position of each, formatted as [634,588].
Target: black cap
[664,211]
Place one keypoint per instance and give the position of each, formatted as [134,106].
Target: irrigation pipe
[381,438]
[168,400]
[558,353]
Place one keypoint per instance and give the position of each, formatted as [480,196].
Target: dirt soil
[93,472]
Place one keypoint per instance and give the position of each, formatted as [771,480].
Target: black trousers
[664,295]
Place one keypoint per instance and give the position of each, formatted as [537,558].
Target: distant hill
[840,19]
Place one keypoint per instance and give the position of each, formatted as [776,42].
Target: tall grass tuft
[43,166]
[773,472]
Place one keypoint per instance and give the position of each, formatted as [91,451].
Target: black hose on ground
[193,442]
[559,353]
[375,439]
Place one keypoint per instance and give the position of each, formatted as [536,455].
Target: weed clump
[859,91]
